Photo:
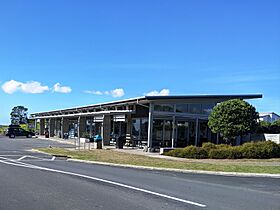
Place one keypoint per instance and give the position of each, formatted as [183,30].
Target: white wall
[272,137]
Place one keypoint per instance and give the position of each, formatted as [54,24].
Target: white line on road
[19,164]
[15,162]
[21,158]
[34,157]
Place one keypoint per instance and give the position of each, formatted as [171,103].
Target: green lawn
[111,156]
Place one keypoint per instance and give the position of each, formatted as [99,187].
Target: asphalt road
[31,180]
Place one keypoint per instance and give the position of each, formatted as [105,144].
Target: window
[195,108]
[164,107]
[162,133]
[136,128]
[207,108]
[140,128]
[158,130]
[182,108]
[144,128]
[89,126]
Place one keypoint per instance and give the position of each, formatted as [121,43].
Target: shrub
[256,150]
[223,146]
[226,153]
[195,152]
[208,146]
[85,135]
[189,152]
[264,149]
[174,153]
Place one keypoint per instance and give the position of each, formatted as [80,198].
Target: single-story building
[153,121]
[269,117]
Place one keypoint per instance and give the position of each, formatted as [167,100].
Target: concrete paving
[41,182]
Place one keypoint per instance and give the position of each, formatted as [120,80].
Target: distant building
[269,116]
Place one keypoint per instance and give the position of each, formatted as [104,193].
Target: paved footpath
[36,181]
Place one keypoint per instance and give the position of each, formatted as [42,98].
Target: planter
[83,140]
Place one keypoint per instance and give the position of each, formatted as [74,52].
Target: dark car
[18,131]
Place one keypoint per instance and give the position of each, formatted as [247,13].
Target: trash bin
[65,136]
[47,134]
[119,142]
[91,139]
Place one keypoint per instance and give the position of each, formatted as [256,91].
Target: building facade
[152,121]
[269,117]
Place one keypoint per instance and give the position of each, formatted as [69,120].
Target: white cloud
[28,87]
[163,92]
[94,92]
[33,87]
[61,89]
[116,93]
[119,92]
[11,86]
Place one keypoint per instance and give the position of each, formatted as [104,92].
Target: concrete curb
[56,140]
[38,151]
[220,173]
[180,170]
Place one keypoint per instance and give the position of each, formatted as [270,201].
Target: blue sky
[57,54]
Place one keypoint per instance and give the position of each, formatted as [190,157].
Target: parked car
[14,131]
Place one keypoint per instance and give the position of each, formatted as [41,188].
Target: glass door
[162,133]
[182,133]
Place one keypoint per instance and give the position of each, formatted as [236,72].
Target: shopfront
[151,121]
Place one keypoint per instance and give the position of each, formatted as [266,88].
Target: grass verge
[111,156]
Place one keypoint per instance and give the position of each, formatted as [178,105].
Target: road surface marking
[21,158]
[20,164]
[30,156]
[15,162]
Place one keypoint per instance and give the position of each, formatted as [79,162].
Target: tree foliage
[267,127]
[19,115]
[233,118]
[276,123]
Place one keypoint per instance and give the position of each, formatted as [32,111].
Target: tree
[233,118]
[265,124]
[19,115]
[276,123]
[267,127]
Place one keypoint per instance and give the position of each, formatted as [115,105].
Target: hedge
[253,150]
[226,153]
[266,149]
[189,152]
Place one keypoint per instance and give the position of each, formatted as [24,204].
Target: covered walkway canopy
[155,121]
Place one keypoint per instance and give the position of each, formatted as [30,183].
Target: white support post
[173,132]
[61,128]
[79,140]
[173,127]
[150,126]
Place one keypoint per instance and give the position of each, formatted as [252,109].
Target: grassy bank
[111,156]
